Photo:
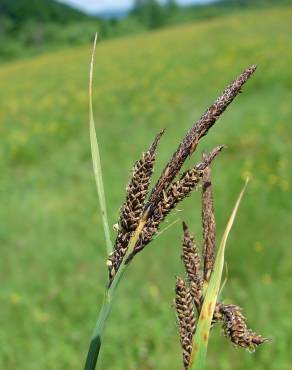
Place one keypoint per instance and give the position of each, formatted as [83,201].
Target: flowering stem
[105,310]
[104,313]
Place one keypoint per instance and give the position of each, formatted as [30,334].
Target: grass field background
[52,265]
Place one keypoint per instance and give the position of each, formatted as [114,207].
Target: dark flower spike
[192,262]
[209,225]
[131,210]
[137,189]
[178,191]
[236,330]
[197,131]
[185,318]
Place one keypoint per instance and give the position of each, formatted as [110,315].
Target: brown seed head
[192,262]
[137,188]
[185,318]
[209,225]
[197,131]
[131,210]
[235,328]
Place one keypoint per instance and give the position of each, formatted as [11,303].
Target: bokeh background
[156,67]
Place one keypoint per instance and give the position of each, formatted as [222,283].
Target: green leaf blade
[96,160]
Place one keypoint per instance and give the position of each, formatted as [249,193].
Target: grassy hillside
[52,268]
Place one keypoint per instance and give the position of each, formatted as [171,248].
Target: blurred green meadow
[52,265]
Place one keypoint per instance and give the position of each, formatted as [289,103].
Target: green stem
[105,311]
[95,343]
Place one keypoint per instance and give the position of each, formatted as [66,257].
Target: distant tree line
[32,26]
[152,14]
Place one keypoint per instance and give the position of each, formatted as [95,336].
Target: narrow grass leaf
[96,159]
[166,228]
[201,338]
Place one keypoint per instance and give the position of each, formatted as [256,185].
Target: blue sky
[104,5]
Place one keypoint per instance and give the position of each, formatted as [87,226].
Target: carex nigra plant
[144,209]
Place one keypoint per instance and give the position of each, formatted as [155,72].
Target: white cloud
[102,5]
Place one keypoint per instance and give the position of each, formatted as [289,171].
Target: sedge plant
[144,210]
